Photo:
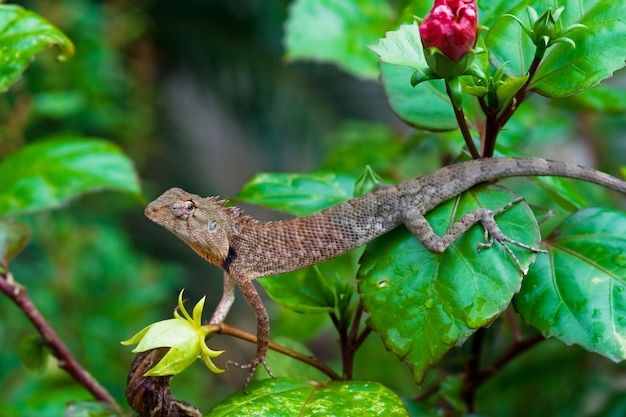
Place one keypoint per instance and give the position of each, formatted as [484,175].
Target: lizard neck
[266,248]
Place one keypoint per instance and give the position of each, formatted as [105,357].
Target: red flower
[451,27]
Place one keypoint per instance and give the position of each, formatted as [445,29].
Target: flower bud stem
[460,118]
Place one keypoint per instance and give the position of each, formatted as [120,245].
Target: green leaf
[289,397]
[577,292]
[609,98]
[357,144]
[13,238]
[422,304]
[324,288]
[93,409]
[23,34]
[59,104]
[33,352]
[367,182]
[299,194]
[402,47]
[509,88]
[565,70]
[49,173]
[425,106]
[338,32]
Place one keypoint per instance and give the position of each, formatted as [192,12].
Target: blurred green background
[198,94]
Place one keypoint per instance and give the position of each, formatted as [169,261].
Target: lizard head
[202,223]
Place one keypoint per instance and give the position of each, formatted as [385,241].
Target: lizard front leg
[422,230]
[263,326]
[226,302]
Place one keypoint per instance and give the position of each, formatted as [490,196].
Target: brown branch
[240,334]
[66,361]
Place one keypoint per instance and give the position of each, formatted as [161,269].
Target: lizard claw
[493,233]
[252,366]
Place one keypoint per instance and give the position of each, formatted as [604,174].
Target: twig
[66,361]
[240,334]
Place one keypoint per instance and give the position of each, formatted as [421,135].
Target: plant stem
[492,128]
[495,123]
[460,118]
[346,350]
[479,378]
[473,367]
[516,349]
[240,334]
[66,361]
[517,99]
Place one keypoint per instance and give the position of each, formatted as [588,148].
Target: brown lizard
[247,249]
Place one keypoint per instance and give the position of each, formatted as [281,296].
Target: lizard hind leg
[493,233]
[421,229]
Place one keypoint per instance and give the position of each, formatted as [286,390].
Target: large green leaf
[577,292]
[23,34]
[288,397]
[299,194]
[423,304]
[426,106]
[338,32]
[599,52]
[328,287]
[49,173]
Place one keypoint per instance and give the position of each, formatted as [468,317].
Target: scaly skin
[247,249]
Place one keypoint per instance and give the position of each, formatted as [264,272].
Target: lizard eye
[212,226]
[183,209]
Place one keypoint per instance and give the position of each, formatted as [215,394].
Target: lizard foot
[493,233]
[252,366]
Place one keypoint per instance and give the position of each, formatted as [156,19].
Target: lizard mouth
[151,212]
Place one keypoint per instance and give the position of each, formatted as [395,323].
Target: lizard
[246,249]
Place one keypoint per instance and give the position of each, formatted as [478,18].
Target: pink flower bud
[451,27]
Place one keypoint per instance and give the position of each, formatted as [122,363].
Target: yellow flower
[184,335]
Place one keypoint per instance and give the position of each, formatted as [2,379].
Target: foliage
[460,320]
[50,157]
